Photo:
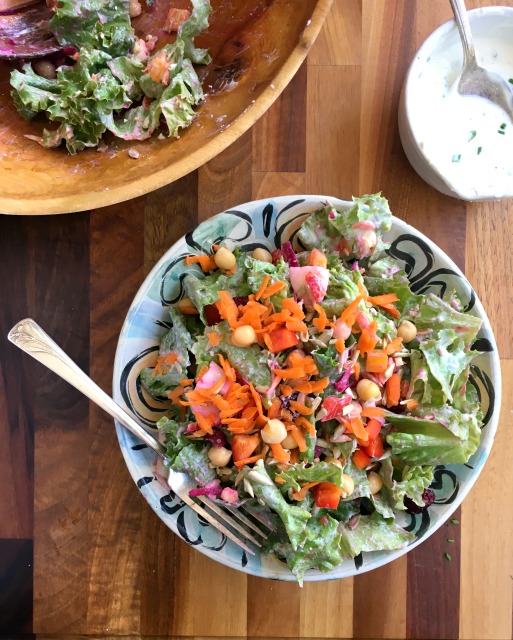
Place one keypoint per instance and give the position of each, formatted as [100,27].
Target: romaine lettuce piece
[451,437]
[257,270]
[413,481]
[373,533]
[174,438]
[194,460]
[298,474]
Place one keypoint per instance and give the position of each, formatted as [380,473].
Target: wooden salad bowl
[254,58]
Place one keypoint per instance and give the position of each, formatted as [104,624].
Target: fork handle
[29,337]
[463,24]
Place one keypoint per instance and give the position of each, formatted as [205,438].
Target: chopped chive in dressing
[472,135]
[479,149]
[456,158]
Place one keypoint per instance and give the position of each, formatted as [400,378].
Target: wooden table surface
[81,553]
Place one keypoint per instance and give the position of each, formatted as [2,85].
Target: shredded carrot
[164,363]
[215,248]
[299,438]
[286,391]
[322,321]
[296,325]
[186,382]
[373,412]
[356,371]
[355,425]
[379,301]
[340,345]
[303,422]
[253,459]
[175,394]
[301,494]
[367,341]
[207,263]
[391,310]
[412,404]
[272,289]
[301,408]
[227,308]
[263,287]
[202,372]
[293,373]
[279,453]
[395,345]
[279,479]
[291,305]
[393,386]
[348,316]
[257,399]
[214,338]
[229,371]
[274,409]
[363,291]
[207,424]
[294,456]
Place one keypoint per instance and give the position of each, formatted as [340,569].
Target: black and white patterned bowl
[268,223]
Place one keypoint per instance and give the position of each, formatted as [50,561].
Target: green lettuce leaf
[451,437]
[192,27]
[174,438]
[437,315]
[373,533]
[257,270]
[194,461]
[298,474]
[413,481]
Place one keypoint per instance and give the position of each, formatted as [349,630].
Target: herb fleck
[456,158]
[447,557]
[502,132]
[450,539]
[454,521]
[472,135]
[503,125]
[479,149]
[511,80]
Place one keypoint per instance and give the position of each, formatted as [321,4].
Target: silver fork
[30,337]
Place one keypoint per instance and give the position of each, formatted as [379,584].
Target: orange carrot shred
[299,438]
[279,453]
[356,371]
[379,301]
[186,382]
[301,408]
[301,494]
[175,394]
[274,409]
[263,287]
[207,263]
[349,314]
[373,412]
[227,308]
[291,305]
[303,422]
[214,338]
[412,404]
[272,289]
[340,345]
[293,373]
[395,345]
[286,391]
[393,387]
[257,399]
[243,463]
[322,321]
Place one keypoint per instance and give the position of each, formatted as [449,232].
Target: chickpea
[334,461]
[219,456]
[368,390]
[347,485]
[135,8]
[244,336]
[289,442]
[274,432]
[407,331]
[262,254]
[45,69]
[186,307]
[375,482]
[224,259]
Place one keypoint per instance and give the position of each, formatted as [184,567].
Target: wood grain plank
[270,185]
[382,616]
[225,181]
[340,41]
[16,405]
[279,137]
[16,587]
[115,505]
[169,213]
[61,261]
[274,609]
[489,227]
[433,586]
[319,601]
[333,113]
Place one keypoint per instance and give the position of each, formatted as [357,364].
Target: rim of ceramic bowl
[161,177]
[417,158]
[281,572]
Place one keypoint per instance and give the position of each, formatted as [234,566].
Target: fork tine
[215,523]
[229,520]
[236,512]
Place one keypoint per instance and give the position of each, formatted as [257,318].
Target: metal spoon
[25,30]
[475,80]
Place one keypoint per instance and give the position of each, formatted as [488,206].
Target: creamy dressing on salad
[467,139]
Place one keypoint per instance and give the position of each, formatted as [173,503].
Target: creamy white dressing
[467,139]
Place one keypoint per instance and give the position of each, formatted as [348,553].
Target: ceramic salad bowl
[268,223]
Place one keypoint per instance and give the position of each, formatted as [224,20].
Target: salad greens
[318,388]
[117,84]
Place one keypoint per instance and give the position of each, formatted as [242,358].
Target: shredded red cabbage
[212,488]
[289,254]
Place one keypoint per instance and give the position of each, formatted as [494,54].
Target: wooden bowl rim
[147,183]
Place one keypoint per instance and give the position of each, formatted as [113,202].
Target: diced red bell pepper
[326,495]
[361,458]
[334,406]
[375,449]
[282,339]
[244,445]
[373,427]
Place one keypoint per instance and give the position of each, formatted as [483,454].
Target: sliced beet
[212,315]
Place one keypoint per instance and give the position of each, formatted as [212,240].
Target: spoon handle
[463,24]
[29,337]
